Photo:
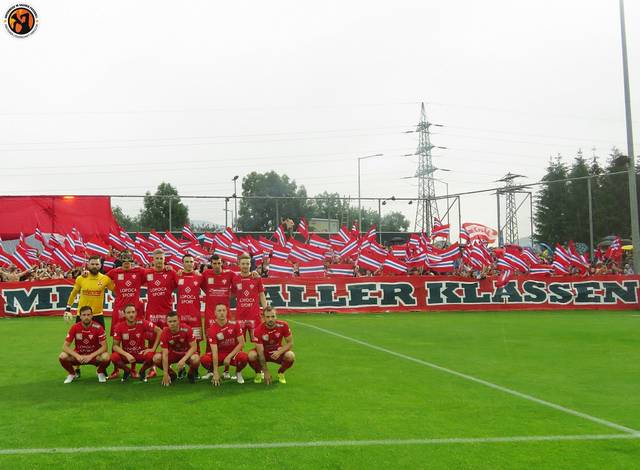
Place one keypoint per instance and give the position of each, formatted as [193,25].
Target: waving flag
[561,255]
[311,269]
[297,254]
[344,235]
[313,253]
[349,248]
[439,230]
[280,253]
[188,234]
[280,236]
[464,236]
[371,234]
[303,228]
[228,235]
[96,247]
[614,252]
[530,256]
[279,267]
[265,244]
[541,269]
[369,259]
[6,259]
[207,240]
[116,242]
[344,270]
[318,242]
[379,249]
[155,239]
[393,265]
[39,236]
[399,251]
[442,266]
[23,257]
[198,252]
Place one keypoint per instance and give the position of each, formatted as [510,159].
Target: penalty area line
[354,443]
[471,378]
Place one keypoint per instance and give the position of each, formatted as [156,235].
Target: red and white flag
[303,228]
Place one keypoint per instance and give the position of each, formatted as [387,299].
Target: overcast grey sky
[115,97]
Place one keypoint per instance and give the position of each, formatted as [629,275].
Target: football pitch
[415,390]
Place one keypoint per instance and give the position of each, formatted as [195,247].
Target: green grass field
[376,403]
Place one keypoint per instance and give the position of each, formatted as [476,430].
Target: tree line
[562,208]
[259,212]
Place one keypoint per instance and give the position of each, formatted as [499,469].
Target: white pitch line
[356,443]
[510,391]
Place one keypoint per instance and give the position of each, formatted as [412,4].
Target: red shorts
[175,356]
[74,361]
[241,357]
[140,359]
[268,358]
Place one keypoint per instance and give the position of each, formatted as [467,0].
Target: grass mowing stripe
[355,443]
[540,401]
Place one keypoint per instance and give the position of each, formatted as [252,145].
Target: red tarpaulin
[91,215]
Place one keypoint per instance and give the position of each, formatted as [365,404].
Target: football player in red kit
[226,341]
[269,338]
[178,346]
[250,298]
[218,286]
[127,280]
[160,284]
[90,346]
[129,343]
[188,305]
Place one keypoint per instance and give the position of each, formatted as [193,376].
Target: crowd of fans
[598,266]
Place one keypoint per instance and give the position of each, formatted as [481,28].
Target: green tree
[612,200]
[259,212]
[577,201]
[394,222]
[159,206]
[128,223]
[551,205]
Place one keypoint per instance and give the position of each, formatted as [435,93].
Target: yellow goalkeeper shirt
[91,290]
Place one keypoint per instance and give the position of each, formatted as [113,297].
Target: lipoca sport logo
[21,20]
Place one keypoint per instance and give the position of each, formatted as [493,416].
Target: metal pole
[531,216]
[359,203]
[498,212]
[448,223]
[590,220]
[235,203]
[459,216]
[633,192]
[170,204]
[379,222]
[226,212]
[277,215]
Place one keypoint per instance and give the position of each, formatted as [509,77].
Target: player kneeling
[178,346]
[129,337]
[90,346]
[269,348]
[226,341]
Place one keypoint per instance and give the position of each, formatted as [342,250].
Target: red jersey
[177,342]
[132,338]
[248,298]
[87,340]
[218,288]
[127,286]
[188,306]
[225,337]
[271,338]
[160,287]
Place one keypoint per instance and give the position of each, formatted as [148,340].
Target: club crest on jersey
[120,277]
[78,335]
[180,282]
[171,341]
[149,277]
[265,337]
[220,336]
[210,280]
[99,283]
[125,336]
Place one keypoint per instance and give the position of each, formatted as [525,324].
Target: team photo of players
[162,339]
